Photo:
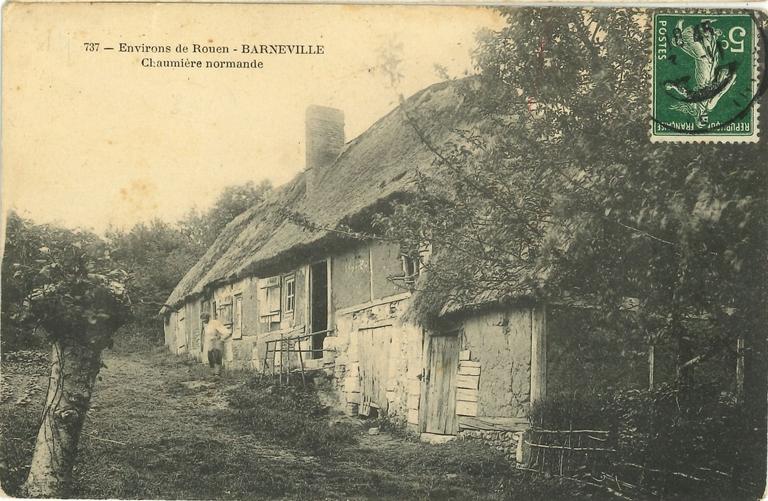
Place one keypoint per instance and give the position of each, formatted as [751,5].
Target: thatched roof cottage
[305,297]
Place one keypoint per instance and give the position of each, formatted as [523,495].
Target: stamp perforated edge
[756,71]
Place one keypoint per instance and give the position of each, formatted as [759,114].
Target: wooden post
[740,368]
[281,358]
[538,353]
[266,359]
[301,363]
[651,364]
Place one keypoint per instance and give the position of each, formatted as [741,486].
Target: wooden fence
[285,356]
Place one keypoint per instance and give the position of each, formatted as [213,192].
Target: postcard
[357,251]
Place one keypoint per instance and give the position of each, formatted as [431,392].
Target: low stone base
[433,438]
[504,441]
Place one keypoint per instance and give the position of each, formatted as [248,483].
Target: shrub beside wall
[696,444]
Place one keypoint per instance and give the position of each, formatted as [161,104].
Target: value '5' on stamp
[704,78]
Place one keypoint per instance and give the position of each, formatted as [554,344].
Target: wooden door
[438,394]
[373,351]
[237,318]
[181,333]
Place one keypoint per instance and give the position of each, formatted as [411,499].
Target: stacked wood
[467,385]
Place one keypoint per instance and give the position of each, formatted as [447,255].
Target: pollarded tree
[73,292]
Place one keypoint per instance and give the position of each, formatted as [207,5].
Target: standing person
[214,333]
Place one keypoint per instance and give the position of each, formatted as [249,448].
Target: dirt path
[157,413]
[160,428]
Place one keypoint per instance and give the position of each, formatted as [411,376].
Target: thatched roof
[375,166]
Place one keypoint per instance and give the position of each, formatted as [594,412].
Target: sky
[92,138]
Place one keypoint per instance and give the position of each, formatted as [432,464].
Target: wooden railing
[286,345]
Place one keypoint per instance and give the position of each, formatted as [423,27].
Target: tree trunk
[73,372]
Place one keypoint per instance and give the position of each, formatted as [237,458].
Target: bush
[697,433]
[561,412]
[396,426]
[290,414]
[137,338]
[18,429]
[674,443]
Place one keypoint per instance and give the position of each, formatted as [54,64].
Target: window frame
[411,265]
[290,293]
[270,291]
[226,308]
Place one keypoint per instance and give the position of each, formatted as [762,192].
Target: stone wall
[504,441]
[370,339]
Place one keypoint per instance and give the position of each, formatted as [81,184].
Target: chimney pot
[324,141]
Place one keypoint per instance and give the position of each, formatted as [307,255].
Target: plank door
[438,393]
[237,317]
[373,350]
[181,333]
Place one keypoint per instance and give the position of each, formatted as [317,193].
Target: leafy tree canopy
[556,191]
[202,228]
[63,281]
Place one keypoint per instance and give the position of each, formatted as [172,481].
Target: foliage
[583,341]
[396,426]
[556,192]
[664,438]
[62,281]
[157,255]
[291,414]
[135,338]
[202,228]
[565,411]
[18,429]
[21,246]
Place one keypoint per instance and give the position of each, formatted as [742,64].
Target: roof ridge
[370,167]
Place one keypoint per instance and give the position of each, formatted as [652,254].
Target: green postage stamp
[704,78]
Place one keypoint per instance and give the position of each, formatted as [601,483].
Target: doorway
[319,306]
[438,391]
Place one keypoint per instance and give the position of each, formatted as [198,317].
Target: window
[269,299]
[214,310]
[410,267]
[290,293]
[225,311]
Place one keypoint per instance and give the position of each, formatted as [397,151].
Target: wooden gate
[438,392]
[374,345]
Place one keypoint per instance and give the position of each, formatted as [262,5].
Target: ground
[161,427]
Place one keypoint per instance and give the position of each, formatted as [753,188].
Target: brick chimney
[324,142]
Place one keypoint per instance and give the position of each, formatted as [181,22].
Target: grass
[289,415]
[18,428]
[161,427]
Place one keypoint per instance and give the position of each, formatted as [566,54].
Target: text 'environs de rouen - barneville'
[195,48]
